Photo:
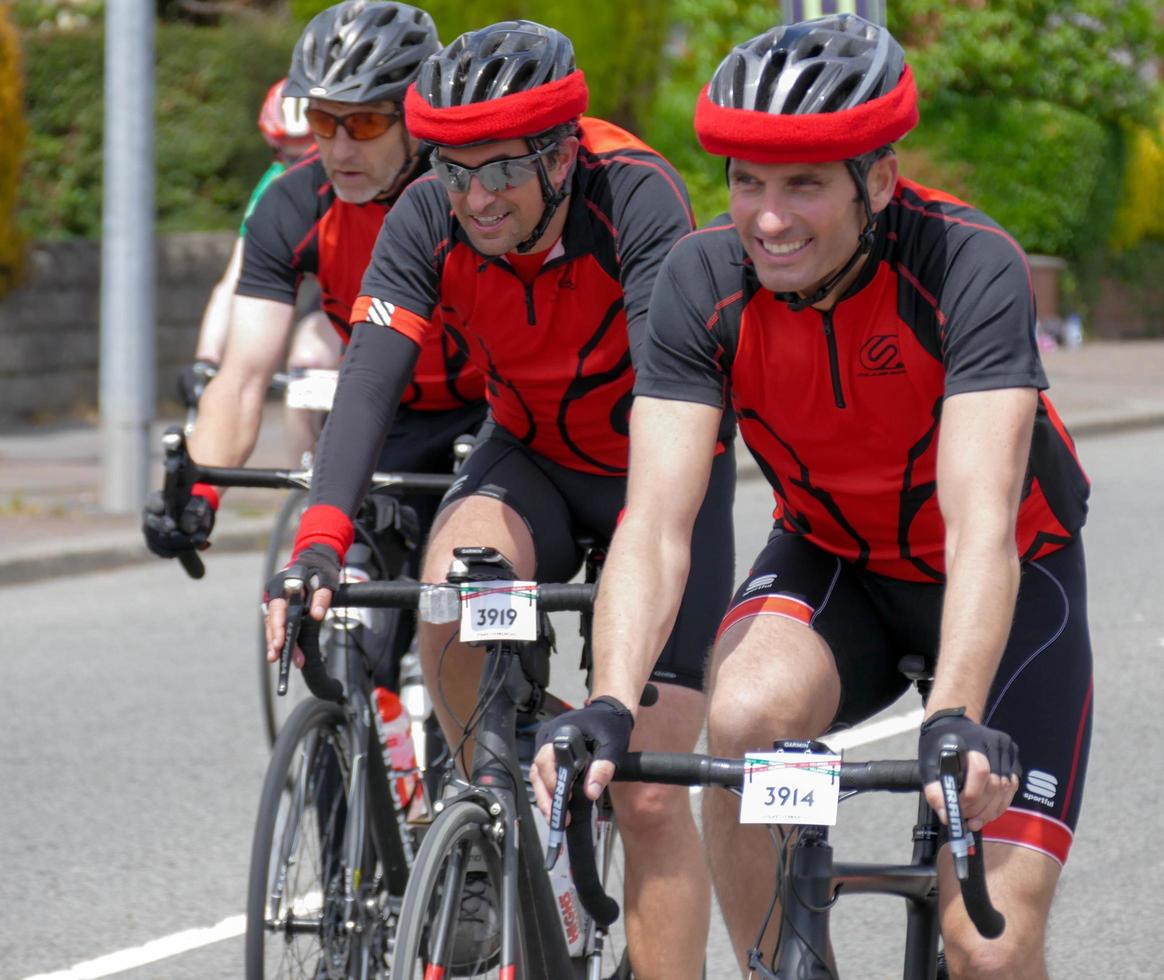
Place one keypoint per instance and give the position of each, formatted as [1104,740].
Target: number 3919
[496,617]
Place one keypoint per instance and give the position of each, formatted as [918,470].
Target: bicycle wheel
[451,919]
[297,923]
[275,709]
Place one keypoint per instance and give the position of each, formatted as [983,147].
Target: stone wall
[49,327]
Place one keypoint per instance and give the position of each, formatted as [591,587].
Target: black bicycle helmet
[361,51]
[502,59]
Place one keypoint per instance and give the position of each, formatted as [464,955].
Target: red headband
[818,137]
[509,117]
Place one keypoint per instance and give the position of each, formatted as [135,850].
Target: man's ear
[881,181]
[564,158]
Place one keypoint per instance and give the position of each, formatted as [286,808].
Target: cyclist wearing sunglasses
[352,65]
[875,339]
[538,235]
[314,344]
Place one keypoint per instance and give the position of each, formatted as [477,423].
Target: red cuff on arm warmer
[324,524]
[210,493]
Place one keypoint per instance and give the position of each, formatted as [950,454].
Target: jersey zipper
[834,363]
[531,313]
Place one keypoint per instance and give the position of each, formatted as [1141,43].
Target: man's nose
[478,197]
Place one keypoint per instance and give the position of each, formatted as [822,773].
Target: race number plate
[791,787]
[502,610]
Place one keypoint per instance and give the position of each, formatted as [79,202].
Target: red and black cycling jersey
[300,226]
[556,352]
[842,409]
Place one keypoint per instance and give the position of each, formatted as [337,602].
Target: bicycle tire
[276,709]
[456,846]
[294,915]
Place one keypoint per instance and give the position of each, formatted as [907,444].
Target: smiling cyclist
[876,342]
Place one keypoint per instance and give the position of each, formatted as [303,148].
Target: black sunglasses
[498,175]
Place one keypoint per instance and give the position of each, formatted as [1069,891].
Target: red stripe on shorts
[1028,829]
[766,605]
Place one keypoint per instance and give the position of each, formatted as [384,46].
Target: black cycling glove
[605,722]
[166,536]
[192,381]
[1000,751]
[318,566]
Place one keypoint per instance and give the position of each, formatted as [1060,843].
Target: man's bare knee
[646,812]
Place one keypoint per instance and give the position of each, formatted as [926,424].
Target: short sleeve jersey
[300,226]
[276,169]
[842,409]
[556,352]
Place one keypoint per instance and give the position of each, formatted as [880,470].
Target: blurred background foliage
[1047,114]
[11,152]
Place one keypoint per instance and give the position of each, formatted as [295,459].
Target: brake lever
[961,840]
[570,758]
[294,593]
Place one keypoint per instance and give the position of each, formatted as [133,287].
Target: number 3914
[787,796]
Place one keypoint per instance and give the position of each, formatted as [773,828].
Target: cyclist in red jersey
[314,344]
[878,350]
[352,64]
[538,238]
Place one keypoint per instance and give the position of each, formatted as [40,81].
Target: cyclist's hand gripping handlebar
[176,491]
[965,845]
[301,629]
[571,758]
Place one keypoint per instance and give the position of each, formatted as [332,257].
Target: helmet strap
[552,199]
[865,240]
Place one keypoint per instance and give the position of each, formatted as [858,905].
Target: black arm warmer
[376,369]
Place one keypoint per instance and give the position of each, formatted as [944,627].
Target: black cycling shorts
[1042,692]
[422,442]
[560,505]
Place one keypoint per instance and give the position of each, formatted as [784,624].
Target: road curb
[250,534]
[84,559]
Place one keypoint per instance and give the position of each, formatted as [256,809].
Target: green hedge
[1044,172]
[209,83]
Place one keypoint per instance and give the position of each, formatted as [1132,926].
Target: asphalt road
[132,758]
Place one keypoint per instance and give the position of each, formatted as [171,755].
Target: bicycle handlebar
[689,769]
[181,473]
[552,597]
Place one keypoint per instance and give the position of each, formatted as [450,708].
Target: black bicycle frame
[498,784]
[816,881]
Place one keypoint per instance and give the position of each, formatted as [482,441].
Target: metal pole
[127,256]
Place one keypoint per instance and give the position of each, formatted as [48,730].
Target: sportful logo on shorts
[1041,787]
[380,312]
[760,583]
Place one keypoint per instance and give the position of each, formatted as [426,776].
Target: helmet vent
[838,98]
[797,95]
[766,83]
[483,84]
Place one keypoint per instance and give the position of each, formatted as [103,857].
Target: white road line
[151,952]
[875,731]
[869,732]
[191,939]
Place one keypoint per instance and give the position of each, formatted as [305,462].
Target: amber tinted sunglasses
[359,125]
